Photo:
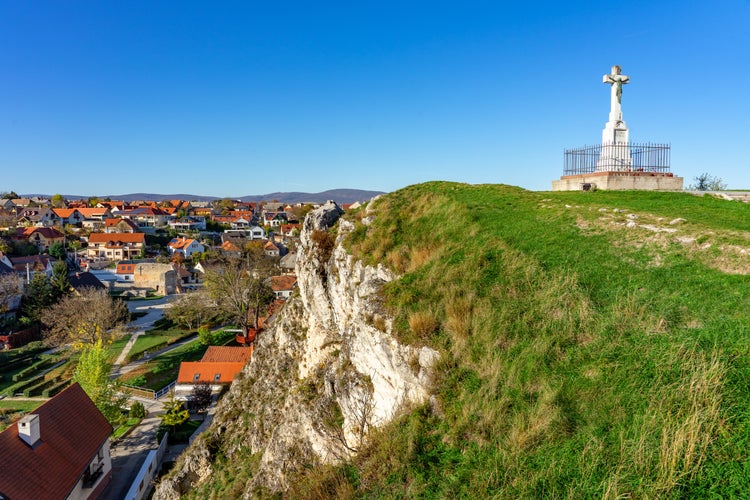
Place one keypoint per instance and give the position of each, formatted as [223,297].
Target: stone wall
[618,181]
[160,277]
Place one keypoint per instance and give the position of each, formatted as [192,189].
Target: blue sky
[237,98]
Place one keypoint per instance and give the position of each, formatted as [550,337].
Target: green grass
[592,346]
[161,335]
[163,369]
[580,358]
[10,411]
[122,429]
[115,348]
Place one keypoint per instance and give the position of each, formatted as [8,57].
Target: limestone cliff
[324,373]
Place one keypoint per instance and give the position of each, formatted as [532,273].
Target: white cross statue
[616,80]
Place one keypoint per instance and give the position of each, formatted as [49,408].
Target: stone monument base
[619,181]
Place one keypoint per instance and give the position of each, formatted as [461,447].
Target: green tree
[38,296]
[137,410]
[9,195]
[59,280]
[24,248]
[190,310]
[174,413]
[92,373]
[57,201]
[57,250]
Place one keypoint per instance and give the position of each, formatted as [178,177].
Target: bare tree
[191,310]
[240,292]
[83,319]
[11,291]
[361,411]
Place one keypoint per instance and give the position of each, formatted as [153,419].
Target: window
[196,377]
[217,377]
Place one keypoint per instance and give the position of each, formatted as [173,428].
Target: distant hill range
[338,195]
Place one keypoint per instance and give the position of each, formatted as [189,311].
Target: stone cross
[616,80]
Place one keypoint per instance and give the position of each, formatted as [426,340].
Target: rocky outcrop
[322,375]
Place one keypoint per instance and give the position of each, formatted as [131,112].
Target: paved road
[154,310]
[128,455]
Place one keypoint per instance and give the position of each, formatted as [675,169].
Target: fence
[646,157]
[149,393]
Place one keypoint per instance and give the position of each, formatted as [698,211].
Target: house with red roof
[283,286]
[59,450]
[116,246]
[185,246]
[119,225]
[147,217]
[41,237]
[271,250]
[218,368]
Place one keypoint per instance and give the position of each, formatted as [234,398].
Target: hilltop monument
[616,163]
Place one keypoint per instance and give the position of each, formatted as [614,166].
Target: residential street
[128,455]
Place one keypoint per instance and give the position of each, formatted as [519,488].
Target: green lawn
[10,411]
[115,348]
[162,334]
[122,429]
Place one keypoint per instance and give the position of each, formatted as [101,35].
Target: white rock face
[340,309]
[330,346]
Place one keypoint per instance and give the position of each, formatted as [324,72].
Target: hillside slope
[591,344]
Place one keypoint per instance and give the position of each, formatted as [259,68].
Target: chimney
[28,429]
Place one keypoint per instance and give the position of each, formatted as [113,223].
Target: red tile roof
[48,232]
[64,212]
[279,283]
[228,246]
[207,371]
[93,212]
[178,243]
[72,431]
[117,237]
[115,221]
[227,354]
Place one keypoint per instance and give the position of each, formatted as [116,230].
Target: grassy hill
[594,345]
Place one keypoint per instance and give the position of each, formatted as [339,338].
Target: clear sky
[250,97]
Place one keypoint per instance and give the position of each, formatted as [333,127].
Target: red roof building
[60,450]
[227,354]
[116,246]
[218,368]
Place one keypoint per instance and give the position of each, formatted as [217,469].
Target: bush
[205,336]
[51,391]
[139,381]
[137,410]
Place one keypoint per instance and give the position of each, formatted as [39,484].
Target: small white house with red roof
[185,246]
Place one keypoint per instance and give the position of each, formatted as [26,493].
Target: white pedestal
[615,155]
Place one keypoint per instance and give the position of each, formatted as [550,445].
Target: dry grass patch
[423,323]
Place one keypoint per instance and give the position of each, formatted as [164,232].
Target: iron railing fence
[646,157]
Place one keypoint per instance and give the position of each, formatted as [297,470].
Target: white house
[185,246]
